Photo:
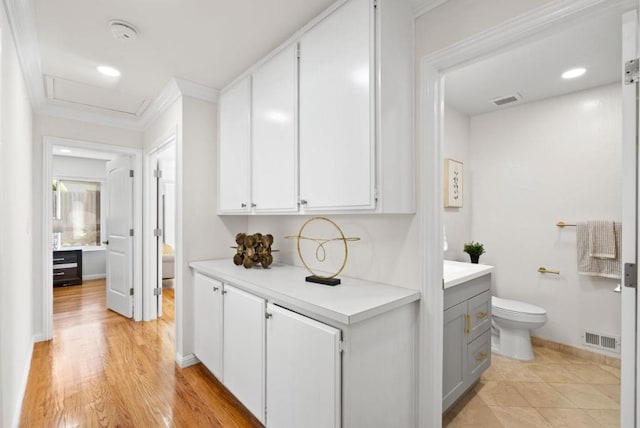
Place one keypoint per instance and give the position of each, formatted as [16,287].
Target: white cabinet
[274,154]
[303,371]
[235,142]
[337,87]
[208,323]
[244,348]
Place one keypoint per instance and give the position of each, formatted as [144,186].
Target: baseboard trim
[23,389]
[94,276]
[596,357]
[186,360]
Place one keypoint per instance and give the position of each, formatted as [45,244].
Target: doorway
[101,153]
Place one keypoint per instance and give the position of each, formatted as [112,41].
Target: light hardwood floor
[103,370]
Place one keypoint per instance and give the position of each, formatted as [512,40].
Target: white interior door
[119,236]
[160,209]
[629,375]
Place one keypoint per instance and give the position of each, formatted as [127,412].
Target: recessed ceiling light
[108,71]
[573,73]
[65,151]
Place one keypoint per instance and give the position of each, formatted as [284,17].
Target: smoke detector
[122,30]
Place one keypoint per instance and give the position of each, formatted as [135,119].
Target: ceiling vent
[507,99]
[122,30]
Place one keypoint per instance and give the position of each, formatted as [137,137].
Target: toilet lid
[516,306]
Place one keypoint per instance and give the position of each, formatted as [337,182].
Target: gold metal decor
[321,251]
[253,250]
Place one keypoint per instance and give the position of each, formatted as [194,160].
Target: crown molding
[196,90]
[22,20]
[425,6]
[518,28]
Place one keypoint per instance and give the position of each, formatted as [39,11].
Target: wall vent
[601,341]
[507,99]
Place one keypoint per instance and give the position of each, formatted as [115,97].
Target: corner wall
[16,261]
[532,166]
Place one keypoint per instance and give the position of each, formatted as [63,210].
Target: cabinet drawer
[479,311]
[478,356]
[64,257]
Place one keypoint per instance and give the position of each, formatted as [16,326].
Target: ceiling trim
[517,29]
[425,6]
[169,95]
[196,90]
[22,20]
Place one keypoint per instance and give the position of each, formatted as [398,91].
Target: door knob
[106,242]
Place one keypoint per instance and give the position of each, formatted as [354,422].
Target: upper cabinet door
[337,90]
[234,145]
[274,145]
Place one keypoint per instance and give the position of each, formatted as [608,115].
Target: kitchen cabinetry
[235,139]
[466,337]
[341,356]
[303,371]
[208,326]
[274,154]
[356,151]
[244,348]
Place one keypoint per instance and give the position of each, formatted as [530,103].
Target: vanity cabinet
[234,175]
[298,354]
[332,118]
[208,325]
[466,337]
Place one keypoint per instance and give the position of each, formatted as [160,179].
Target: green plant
[474,248]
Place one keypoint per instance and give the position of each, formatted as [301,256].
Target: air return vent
[601,341]
[507,99]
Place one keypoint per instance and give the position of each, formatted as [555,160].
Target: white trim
[54,110]
[22,20]
[431,101]
[518,28]
[94,276]
[195,90]
[22,388]
[425,6]
[186,361]
[47,170]
[150,303]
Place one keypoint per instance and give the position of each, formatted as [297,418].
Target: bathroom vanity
[467,327]
[301,354]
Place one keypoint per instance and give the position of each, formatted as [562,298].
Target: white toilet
[511,322]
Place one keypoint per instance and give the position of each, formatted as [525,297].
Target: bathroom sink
[455,273]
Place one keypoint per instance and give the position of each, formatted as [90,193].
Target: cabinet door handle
[215,288]
[253,205]
[224,291]
[243,205]
[468,327]
[481,315]
[267,315]
[481,356]
[303,202]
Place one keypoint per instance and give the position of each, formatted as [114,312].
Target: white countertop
[351,301]
[455,273]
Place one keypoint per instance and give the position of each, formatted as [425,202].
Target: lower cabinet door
[479,356]
[303,371]
[454,356]
[208,323]
[244,348]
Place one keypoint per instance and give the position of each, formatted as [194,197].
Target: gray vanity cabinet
[467,337]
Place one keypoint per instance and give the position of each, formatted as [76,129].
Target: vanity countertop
[456,273]
[352,301]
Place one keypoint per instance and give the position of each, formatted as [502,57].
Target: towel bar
[542,269]
[563,224]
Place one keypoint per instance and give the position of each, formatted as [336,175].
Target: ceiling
[203,42]
[78,152]
[533,70]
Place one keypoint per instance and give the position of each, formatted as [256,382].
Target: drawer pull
[59,259]
[481,357]
[58,273]
[481,315]
[468,327]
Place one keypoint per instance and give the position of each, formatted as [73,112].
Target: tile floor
[554,390]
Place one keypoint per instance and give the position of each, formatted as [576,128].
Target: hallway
[103,370]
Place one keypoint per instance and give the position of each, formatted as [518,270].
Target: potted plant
[475,250]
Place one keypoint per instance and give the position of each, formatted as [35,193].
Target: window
[78,204]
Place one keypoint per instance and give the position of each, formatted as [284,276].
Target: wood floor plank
[103,370]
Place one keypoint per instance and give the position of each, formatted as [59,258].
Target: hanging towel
[598,266]
[602,239]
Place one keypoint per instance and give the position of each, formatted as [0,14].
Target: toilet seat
[517,311]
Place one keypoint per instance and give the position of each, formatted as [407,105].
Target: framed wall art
[452,183]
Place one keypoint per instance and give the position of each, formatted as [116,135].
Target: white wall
[16,261]
[457,221]
[74,130]
[532,166]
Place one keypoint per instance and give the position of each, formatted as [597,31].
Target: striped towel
[602,239]
[598,266]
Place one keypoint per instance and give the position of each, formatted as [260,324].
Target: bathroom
[554,154]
